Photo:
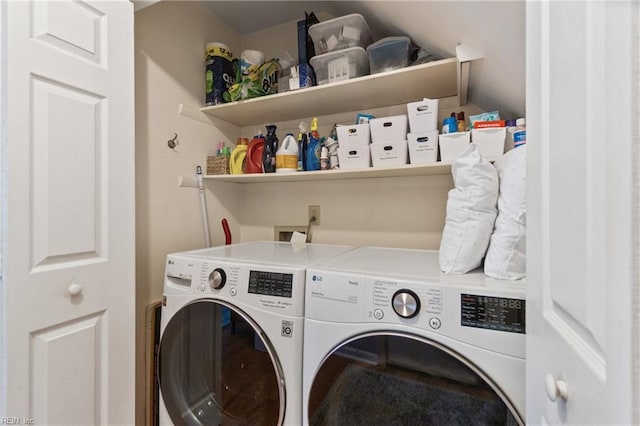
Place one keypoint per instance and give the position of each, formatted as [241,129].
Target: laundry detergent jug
[287,155]
[253,160]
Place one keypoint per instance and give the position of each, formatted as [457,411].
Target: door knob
[74,289]
[555,388]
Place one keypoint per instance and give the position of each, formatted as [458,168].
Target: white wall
[170,39]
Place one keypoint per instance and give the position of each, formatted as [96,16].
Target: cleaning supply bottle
[270,148]
[253,160]
[238,155]
[313,147]
[324,158]
[287,155]
[302,146]
[520,135]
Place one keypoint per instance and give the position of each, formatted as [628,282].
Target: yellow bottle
[239,153]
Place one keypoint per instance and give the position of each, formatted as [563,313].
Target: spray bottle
[314,147]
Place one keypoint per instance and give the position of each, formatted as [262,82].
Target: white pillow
[506,257]
[471,212]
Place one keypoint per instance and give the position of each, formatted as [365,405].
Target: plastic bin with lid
[340,65]
[390,53]
[340,33]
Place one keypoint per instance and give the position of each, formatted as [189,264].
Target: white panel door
[580,242]
[68,283]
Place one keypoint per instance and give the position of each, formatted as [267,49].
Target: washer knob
[406,303]
[217,279]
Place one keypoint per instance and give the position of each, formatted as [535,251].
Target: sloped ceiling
[495,28]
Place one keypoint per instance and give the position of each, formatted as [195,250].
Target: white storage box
[340,33]
[340,65]
[354,157]
[389,154]
[390,53]
[490,141]
[423,147]
[423,115]
[388,129]
[353,135]
[452,145]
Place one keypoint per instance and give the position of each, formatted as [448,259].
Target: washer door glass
[217,367]
[394,379]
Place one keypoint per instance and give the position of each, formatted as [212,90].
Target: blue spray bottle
[314,147]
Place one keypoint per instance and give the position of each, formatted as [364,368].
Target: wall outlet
[314,211]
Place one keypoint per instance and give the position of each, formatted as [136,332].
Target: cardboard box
[356,157]
[353,135]
[389,154]
[423,115]
[388,129]
[423,147]
[452,145]
[490,141]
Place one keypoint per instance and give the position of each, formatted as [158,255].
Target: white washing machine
[231,334]
[389,339]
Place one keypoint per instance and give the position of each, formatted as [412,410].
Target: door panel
[69,372]
[579,180]
[67,155]
[69,185]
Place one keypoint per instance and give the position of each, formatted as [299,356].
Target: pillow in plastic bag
[506,256]
[471,212]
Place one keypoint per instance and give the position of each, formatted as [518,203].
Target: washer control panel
[277,288]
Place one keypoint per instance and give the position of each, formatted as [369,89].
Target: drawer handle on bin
[353,152]
[388,148]
[387,124]
[423,139]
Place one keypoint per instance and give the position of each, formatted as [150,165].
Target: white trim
[635,218]
[3,205]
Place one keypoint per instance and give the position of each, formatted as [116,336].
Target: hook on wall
[173,142]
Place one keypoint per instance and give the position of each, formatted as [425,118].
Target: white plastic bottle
[287,155]
[520,135]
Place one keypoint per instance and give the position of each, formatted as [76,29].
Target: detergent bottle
[287,155]
[313,147]
[302,146]
[270,148]
[253,160]
[238,155]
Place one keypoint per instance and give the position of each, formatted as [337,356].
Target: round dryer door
[398,379]
[216,367]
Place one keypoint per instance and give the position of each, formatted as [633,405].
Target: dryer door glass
[395,379]
[217,367]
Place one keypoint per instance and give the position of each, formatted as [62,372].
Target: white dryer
[231,334]
[389,339]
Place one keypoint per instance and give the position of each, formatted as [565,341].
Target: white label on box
[423,115]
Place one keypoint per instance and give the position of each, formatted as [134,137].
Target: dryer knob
[406,303]
[217,279]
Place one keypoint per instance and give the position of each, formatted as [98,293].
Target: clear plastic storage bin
[340,33]
[340,65]
[389,54]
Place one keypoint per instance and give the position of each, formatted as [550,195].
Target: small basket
[218,165]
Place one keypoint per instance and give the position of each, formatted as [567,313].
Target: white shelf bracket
[465,55]
[194,113]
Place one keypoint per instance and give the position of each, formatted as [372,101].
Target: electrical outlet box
[314,211]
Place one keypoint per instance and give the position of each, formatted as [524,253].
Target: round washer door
[216,366]
[400,379]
